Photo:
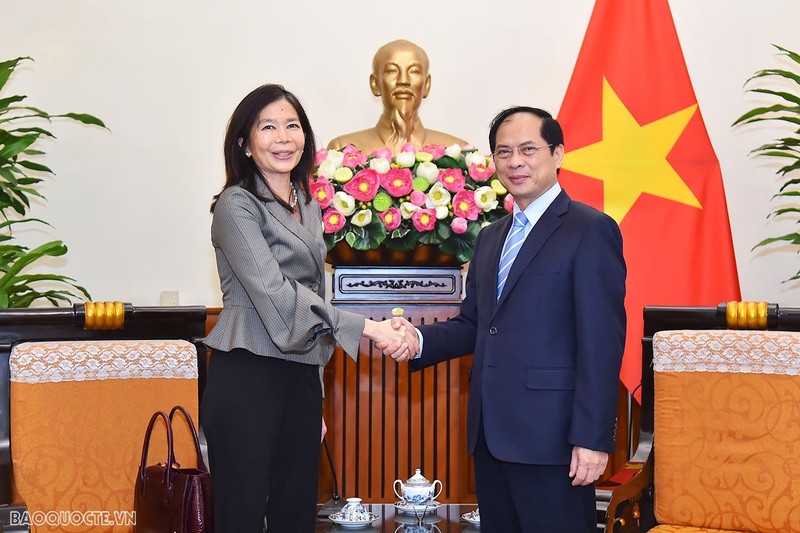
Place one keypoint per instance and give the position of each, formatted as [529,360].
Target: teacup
[354,511]
[417,490]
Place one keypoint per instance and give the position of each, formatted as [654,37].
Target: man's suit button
[315,287]
[492,330]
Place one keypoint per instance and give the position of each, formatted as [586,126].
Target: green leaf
[792,55]
[789,97]
[17,145]
[368,237]
[447,162]
[789,75]
[783,211]
[40,131]
[6,102]
[461,246]
[754,114]
[84,118]
[35,166]
[7,67]
[51,249]
[793,238]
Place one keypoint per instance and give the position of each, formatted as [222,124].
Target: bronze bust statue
[400,77]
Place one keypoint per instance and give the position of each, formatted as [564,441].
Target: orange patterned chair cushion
[79,411]
[727,430]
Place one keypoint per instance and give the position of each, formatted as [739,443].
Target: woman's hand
[324,430]
[393,337]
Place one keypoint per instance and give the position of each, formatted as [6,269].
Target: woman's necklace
[292,196]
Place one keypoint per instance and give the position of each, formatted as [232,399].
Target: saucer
[410,508]
[470,517]
[409,519]
[337,519]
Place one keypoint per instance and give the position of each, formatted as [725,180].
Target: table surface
[447,519]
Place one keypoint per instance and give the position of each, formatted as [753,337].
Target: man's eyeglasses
[526,150]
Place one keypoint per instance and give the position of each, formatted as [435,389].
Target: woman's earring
[247,153]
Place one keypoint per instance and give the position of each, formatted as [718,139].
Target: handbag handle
[201,465]
[170,454]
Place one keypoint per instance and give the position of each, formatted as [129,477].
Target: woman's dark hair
[241,170]
[551,129]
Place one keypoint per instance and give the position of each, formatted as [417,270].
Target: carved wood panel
[384,421]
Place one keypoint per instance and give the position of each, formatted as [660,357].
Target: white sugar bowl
[417,490]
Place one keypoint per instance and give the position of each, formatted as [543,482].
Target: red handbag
[171,499]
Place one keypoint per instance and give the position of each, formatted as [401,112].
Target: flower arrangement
[438,195]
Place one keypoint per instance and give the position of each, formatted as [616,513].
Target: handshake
[395,337]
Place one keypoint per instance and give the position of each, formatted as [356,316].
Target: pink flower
[409,147]
[320,156]
[481,172]
[332,221]
[436,150]
[322,192]
[352,157]
[398,181]
[418,198]
[364,185]
[383,153]
[508,203]
[391,218]
[424,219]
[459,225]
[452,179]
[464,205]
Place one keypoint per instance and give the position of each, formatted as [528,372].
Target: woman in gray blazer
[262,407]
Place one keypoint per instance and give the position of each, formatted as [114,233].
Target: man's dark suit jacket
[545,374]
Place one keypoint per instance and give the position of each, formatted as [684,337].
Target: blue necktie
[513,244]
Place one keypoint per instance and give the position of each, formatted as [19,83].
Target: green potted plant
[787,149]
[20,178]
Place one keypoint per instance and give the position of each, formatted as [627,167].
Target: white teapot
[417,490]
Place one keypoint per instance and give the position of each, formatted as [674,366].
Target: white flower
[344,203]
[437,195]
[429,171]
[327,168]
[336,157]
[405,159]
[442,212]
[454,150]
[475,158]
[380,165]
[485,223]
[362,218]
[407,209]
[486,198]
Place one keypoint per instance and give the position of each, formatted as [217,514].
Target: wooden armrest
[624,511]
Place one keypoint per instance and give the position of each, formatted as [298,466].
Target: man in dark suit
[544,316]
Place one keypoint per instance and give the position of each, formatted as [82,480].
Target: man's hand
[410,344]
[586,465]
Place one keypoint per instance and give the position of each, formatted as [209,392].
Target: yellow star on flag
[631,159]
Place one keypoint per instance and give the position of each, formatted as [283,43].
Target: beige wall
[132,203]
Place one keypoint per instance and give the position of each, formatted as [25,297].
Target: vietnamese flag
[637,149]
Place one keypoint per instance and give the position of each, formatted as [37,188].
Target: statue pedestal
[415,285]
[384,421]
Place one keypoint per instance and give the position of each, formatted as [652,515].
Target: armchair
[720,428]
[77,388]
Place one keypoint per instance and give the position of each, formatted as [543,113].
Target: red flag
[637,148]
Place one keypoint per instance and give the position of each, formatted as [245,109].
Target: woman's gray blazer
[271,270]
